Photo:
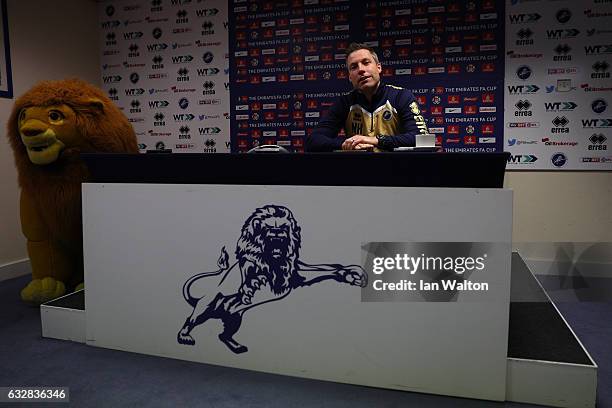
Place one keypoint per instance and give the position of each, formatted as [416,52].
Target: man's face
[364,72]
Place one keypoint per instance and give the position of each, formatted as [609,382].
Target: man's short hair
[360,46]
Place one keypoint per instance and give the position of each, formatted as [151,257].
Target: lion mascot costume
[49,127]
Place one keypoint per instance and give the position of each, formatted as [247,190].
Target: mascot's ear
[95,104]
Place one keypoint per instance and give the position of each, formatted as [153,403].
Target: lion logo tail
[223,265]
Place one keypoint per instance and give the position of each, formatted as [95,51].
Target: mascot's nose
[32,129]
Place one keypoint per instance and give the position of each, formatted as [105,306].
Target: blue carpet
[592,323]
[107,378]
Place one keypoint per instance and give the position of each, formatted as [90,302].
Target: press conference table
[152,221]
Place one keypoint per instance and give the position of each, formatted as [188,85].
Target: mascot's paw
[42,290]
[80,286]
[185,338]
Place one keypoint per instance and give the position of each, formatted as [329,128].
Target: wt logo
[181,59]
[557,34]
[596,123]
[207,71]
[598,49]
[134,35]
[559,106]
[158,104]
[111,79]
[522,159]
[207,12]
[157,47]
[523,89]
[524,18]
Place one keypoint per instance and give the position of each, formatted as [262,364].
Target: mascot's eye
[55,115]
[22,115]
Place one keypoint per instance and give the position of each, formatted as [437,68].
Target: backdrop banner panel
[558,85]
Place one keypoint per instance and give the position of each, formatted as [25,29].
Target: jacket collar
[375,98]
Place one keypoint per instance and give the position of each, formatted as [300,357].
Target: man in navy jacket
[375,116]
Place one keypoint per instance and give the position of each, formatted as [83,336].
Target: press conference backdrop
[558,84]
[183,71]
[165,64]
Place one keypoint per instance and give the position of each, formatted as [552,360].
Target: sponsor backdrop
[287,65]
[169,65]
[164,62]
[558,84]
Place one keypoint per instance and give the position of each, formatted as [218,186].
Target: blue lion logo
[267,257]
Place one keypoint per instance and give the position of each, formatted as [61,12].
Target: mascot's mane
[103,126]
[55,188]
[250,244]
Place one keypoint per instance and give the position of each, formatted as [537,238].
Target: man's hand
[359,142]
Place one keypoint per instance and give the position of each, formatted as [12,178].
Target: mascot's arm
[351,274]
[46,260]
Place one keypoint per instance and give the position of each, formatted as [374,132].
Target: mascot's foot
[233,345]
[184,338]
[79,287]
[42,290]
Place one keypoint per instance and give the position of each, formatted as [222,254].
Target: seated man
[375,116]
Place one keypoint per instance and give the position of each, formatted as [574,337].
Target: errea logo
[183,75]
[562,51]
[523,108]
[524,37]
[600,70]
[181,17]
